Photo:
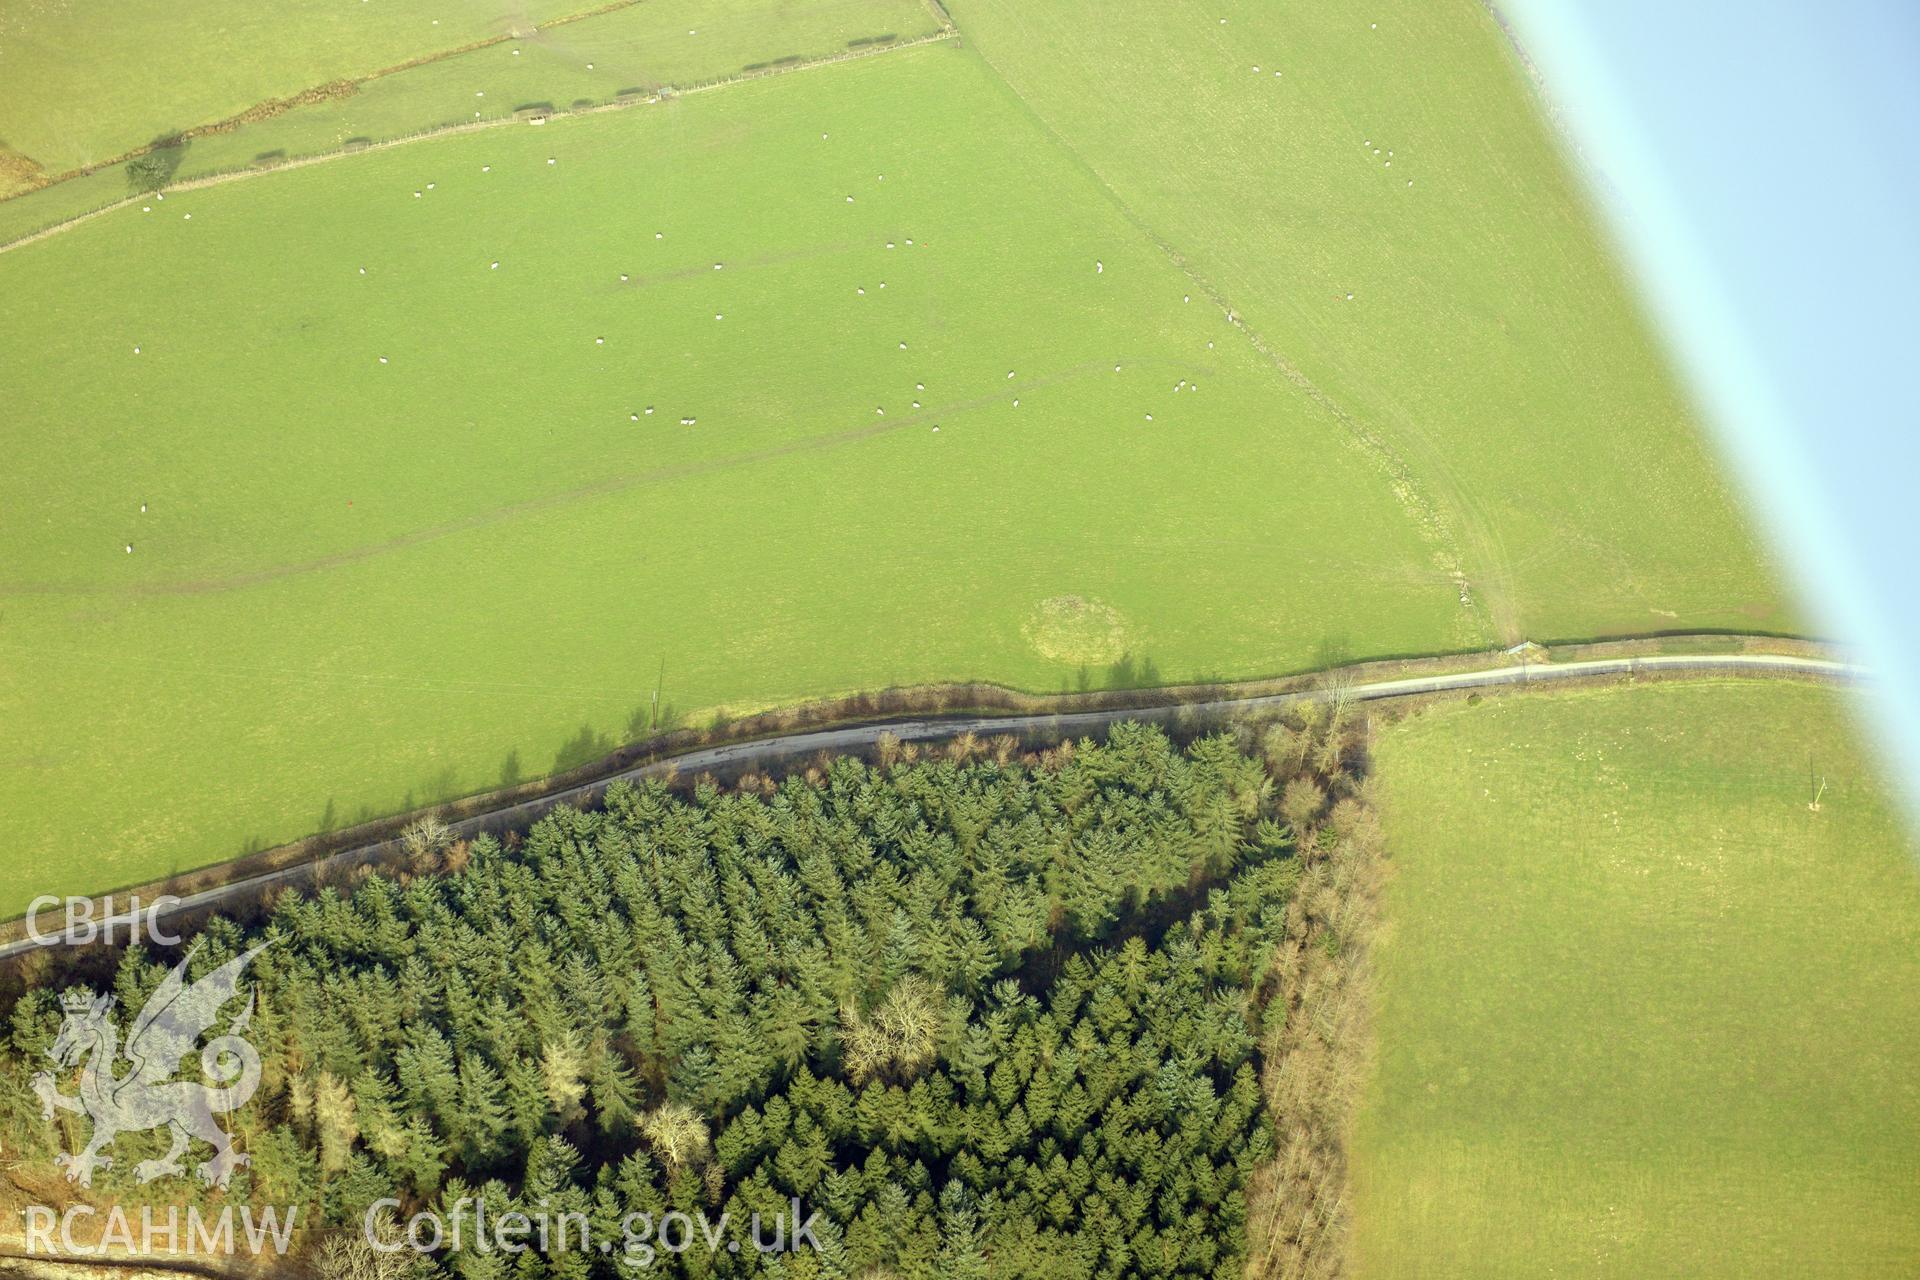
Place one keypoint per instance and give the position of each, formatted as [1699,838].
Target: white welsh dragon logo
[146,1096]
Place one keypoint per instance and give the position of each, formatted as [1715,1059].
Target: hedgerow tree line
[987,1013]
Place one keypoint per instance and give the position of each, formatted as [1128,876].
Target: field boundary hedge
[345,86]
[360,146]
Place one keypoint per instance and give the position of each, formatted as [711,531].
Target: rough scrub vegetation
[987,1013]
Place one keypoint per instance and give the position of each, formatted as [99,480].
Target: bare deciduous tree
[677,1133]
[425,837]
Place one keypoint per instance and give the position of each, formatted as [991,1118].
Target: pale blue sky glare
[1760,165]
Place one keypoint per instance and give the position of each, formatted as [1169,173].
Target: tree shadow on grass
[1133,673]
[443,785]
[1126,672]
[1332,651]
[650,718]
[583,747]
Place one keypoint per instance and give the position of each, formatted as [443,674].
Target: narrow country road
[771,752]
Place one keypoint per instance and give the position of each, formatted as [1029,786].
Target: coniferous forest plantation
[976,1012]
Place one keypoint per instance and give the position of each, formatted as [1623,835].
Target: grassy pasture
[361,586]
[30,211]
[596,59]
[81,83]
[1298,154]
[637,49]
[1643,1012]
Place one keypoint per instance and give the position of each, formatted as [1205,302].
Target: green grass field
[1643,1013]
[598,59]
[1298,154]
[359,586]
[84,83]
